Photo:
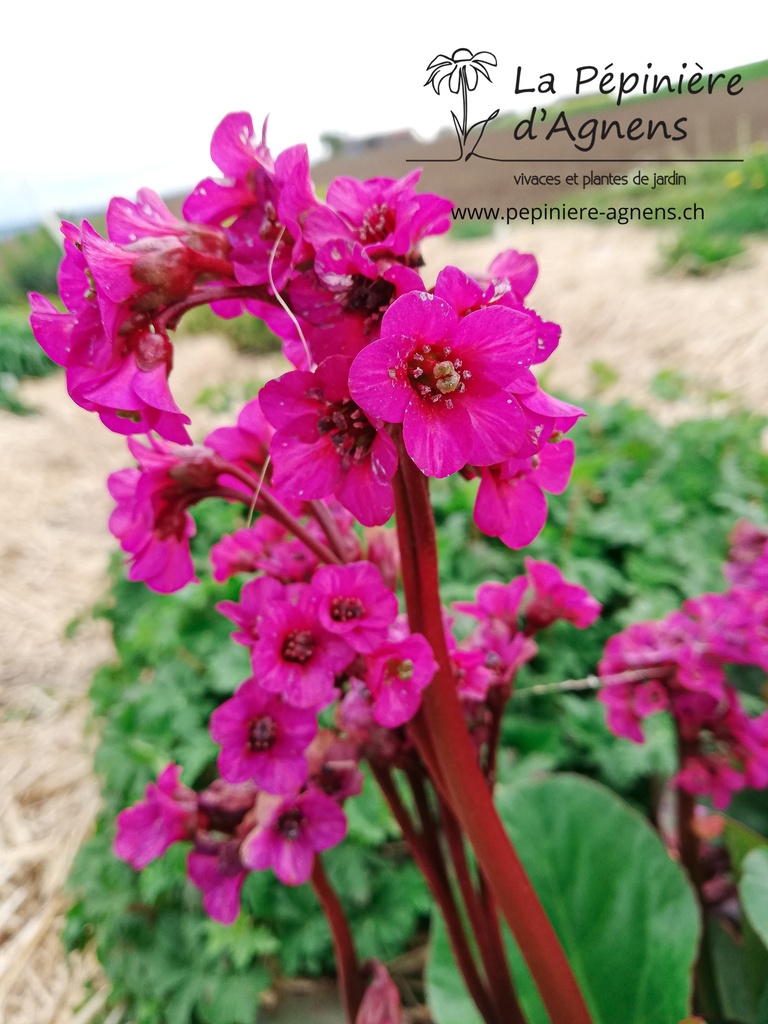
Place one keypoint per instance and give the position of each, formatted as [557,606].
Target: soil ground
[601,285]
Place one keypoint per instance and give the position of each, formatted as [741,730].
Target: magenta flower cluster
[334,637]
[338,281]
[391,383]
[683,662]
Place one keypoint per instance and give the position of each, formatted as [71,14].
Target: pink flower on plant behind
[151,519]
[248,612]
[166,815]
[290,831]
[343,297]
[510,502]
[261,200]
[268,547]
[385,216]
[381,1002]
[262,739]
[219,874]
[445,379]
[553,597]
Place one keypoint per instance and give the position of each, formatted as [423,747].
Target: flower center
[398,668]
[329,779]
[344,609]
[290,824]
[367,296]
[378,222]
[351,434]
[262,733]
[298,646]
[434,374]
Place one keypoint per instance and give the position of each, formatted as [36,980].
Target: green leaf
[740,840]
[235,1000]
[622,908]
[753,890]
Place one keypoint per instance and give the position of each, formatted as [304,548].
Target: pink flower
[397,672]
[325,444]
[505,647]
[248,612]
[151,521]
[445,379]
[473,676]
[246,445]
[219,874]
[343,297]
[507,281]
[386,216]
[264,201]
[381,1002]
[290,832]
[553,598]
[354,603]
[117,361]
[267,547]
[747,563]
[295,655]
[334,766]
[510,502]
[167,815]
[262,739]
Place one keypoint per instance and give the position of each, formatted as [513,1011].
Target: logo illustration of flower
[462,71]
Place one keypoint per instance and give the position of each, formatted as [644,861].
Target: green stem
[467,789]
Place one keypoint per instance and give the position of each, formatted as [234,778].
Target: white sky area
[98,99]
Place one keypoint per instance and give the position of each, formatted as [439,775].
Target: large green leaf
[623,909]
[753,891]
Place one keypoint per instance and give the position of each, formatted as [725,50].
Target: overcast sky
[97,99]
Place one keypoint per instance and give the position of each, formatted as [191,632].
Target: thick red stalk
[488,937]
[467,788]
[430,862]
[347,965]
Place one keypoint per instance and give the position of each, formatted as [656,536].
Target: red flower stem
[268,503]
[347,965]
[688,841]
[433,869]
[168,319]
[467,789]
[419,734]
[494,925]
[327,524]
[427,820]
[497,699]
[491,947]
[705,993]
